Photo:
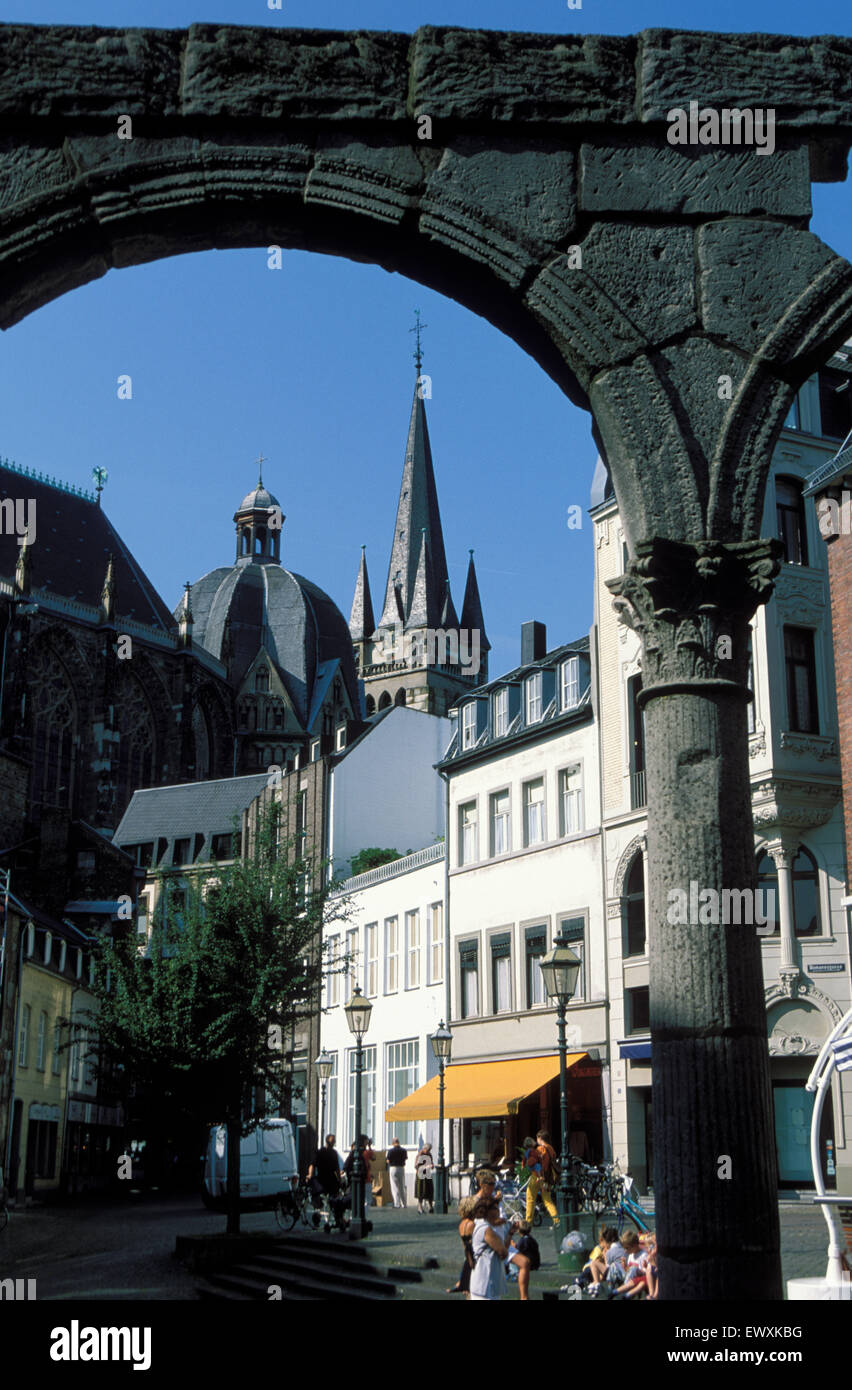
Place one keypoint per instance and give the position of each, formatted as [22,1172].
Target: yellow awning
[474,1090]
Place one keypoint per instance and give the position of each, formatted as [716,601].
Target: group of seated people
[625,1266]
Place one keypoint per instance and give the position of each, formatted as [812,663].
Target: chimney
[533,642]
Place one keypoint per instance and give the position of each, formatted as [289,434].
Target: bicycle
[294,1206]
[630,1210]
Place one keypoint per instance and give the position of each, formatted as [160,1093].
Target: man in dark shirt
[325,1173]
[395,1158]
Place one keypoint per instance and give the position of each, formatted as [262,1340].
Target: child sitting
[524,1256]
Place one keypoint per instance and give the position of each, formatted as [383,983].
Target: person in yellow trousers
[540,1159]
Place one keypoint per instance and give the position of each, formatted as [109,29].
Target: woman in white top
[490,1250]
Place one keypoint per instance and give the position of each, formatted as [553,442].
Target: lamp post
[442,1046]
[325,1066]
[358,1012]
[560,968]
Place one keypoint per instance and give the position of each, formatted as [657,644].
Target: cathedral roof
[74,540]
[256,604]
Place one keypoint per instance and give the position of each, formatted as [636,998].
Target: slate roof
[417,517]
[362,624]
[193,808]
[74,539]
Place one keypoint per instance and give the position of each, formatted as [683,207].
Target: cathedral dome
[256,604]
[259,497]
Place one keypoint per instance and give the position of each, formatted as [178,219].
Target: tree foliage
[372,859]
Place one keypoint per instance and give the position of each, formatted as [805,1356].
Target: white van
[267,1163]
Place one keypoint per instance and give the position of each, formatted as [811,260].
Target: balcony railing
[637,790]
[429,855]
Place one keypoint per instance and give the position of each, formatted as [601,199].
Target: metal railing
[637,790]
[430,855]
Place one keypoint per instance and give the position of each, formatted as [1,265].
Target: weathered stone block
[30,171]
[805,80]
[468,74]
[527,191]
[302,73]
[635,287]
[379,178]
[67,71]
[643,177]
[751,276]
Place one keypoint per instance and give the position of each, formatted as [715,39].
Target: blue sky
[312,365]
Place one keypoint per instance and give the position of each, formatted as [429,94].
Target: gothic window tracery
[53,729]
[134,724]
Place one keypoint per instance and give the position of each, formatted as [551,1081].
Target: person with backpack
[540,1159]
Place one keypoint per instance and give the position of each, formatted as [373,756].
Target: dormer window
[532,693]
[569,681]
[501,712]
[469,724]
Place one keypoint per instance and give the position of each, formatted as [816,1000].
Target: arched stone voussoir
[630,289]
[660,490]
[763,286]
[509,205]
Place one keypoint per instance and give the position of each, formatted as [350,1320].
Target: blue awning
[635,1052]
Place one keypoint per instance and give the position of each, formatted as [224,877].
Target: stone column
[715,1178]
[783,852]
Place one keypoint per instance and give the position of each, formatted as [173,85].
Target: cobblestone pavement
[123,1249]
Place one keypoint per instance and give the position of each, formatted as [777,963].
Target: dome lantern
[258,521]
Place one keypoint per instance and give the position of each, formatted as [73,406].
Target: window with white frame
[469,971]
[469,724]
[331,1099]
[368,1093]
[412,949]
[573,929]
[501,973]
[570,800]
[436,943]
[534,827]
[352,962]
[403,1069]
[41,1041]
[24,1037]
[532,698]
[500,834]
[535,946]
[391,955]
[468,833]
[570,683]
[371,959]
[333,985]
[500,712]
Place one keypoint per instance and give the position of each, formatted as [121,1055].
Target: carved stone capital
[790,977]
[782,852]
[685,599]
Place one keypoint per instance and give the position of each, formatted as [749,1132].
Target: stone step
[246,1284]
[281,1268]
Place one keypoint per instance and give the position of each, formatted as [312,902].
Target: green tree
[372,859]
[198,1018]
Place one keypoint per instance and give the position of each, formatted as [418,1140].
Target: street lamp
[442,1046]
[357,1013]
[560,968]
[325,1066]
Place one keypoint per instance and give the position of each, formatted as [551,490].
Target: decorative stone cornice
[819,746]
[802,987]
[778,804]
[684,599]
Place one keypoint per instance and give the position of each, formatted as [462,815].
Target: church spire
[362,624]
[417,511]
[423,610]
[471,617]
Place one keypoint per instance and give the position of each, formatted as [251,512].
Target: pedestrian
[489,1251]
[396,1158]
[524,1254]
[541,1161]
[466,1224]
[324,1178]
[424,1179]
[367,1156]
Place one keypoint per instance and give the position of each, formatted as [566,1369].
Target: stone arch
[385,700]
[785,993]
[638,845]
[399,697]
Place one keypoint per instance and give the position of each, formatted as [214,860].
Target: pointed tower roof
[471,618]
[362,624]
[417,511]
[423,610]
